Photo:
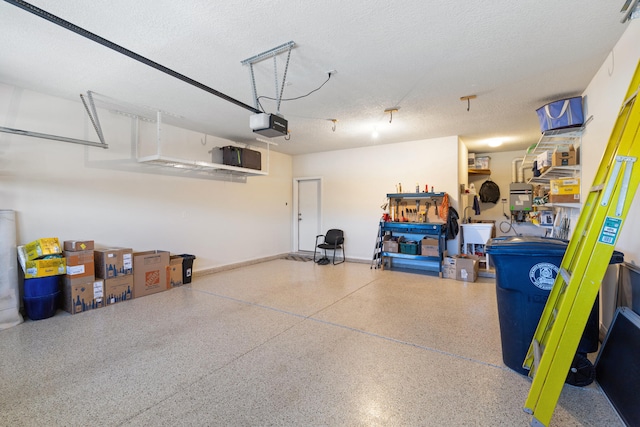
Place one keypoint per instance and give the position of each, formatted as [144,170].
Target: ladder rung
[564,288]
[554,316]
[630,99]
[565,275]
[596,188]
[537,354]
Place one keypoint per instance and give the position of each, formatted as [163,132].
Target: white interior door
[308,213]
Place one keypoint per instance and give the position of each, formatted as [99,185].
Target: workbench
[415,231]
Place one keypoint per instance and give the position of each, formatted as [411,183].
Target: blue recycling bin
[526,269]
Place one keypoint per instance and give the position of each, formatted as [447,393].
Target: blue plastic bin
[41,307]
[41,286]
[526,268]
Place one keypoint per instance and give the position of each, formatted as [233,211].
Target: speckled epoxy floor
[279,343]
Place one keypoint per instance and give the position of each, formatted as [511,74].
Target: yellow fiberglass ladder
[585,261]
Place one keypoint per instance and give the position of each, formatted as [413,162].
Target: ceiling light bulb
[495,142]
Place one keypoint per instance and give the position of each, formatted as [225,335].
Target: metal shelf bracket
[89,107]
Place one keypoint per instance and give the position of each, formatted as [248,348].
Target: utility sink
[476,233]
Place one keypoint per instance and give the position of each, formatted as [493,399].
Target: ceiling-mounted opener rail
[89,107]
[100,40]
[271,53]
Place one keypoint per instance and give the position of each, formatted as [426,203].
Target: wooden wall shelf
[479,171]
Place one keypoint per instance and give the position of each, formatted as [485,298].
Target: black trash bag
[489,192]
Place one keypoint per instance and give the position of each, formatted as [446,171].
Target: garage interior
[383,102]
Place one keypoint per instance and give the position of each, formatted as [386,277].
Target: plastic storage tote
[526,268]
[41,297]
[41,307]
[41,286]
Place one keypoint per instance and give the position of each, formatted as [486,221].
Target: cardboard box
[471,160]
[82,295]
[389,245]
[43,247]
[113,262]
[564,156]
[459,267]
[467,268]
[560,159]
[118,289]
[175,271]
[80,264]
[44,267]
[150,272]
[78,245]
[564,186]
[544,159]
[543,169]
[564,198]
[429,247]
[449,267]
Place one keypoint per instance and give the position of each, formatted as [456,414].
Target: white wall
[603,98]
[501,174]
[75,192]
[355,183]
[463,174]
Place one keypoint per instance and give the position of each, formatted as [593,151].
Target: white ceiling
[420,56]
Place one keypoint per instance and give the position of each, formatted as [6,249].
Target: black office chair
[333,240]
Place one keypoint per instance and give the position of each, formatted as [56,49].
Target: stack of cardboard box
[81,291]
[115,267]
[95,277]
[42,258]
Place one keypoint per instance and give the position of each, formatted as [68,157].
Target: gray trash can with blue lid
[526,268]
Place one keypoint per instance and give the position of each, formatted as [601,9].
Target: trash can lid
[535,245]
[526,245]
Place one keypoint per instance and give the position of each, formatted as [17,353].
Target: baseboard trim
[226,267]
